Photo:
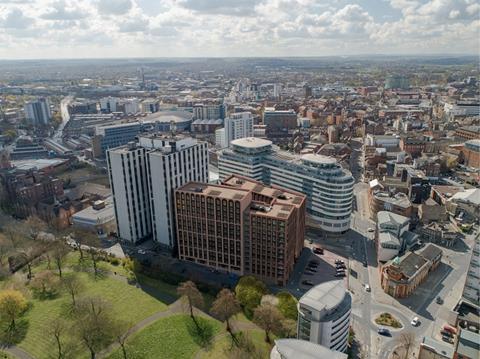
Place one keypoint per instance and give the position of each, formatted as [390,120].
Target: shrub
[287,305]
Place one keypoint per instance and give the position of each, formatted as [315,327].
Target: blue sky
[143,28]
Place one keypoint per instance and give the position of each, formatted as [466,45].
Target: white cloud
[234,27]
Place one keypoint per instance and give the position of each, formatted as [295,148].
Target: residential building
[241,227]
[392,235]
[471,290]
[397,82]
[150,106]
[143,178]
[82,106]
[402,275]
[128,173]
[324,315]
[38,112]
[385,141]
[302,349]
[237,125]
[328,187]
[279,124]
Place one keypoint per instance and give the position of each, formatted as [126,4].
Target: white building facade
[329,188]
[127,169]
[237,125]
[471,290]
[38,111]
[324,315]
[160,164]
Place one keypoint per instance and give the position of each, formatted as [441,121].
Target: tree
[289,328]
[45,283]
[73,285]
[225,306]
[95,325]
[12,305]
[12,233]
[287,305]
[245,349]
[29,253]
[84,238]
[58,329]
[6,248]
[189,291]
[34,226]
[269,319]
[121,333]
[249,292]
[59,254]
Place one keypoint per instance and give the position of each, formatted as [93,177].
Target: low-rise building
[402,275]
[468,345]
[98,218]
[397,203]
[442,234]
[430,211]
[433,349]
[392,235]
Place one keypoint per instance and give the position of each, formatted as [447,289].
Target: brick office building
[241,226]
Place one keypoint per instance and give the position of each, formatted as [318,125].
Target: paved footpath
[17,352]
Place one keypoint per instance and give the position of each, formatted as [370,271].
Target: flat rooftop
[251,142]
[215,190]
[325,296]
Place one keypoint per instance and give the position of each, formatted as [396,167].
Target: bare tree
[6,248]
[269,318]
[122,331]
[13,233]
[45,283]
[73,285]
[190,292]
[95,325]
[226,306]
[29,253]
[84,238]
[59,254]
[34,226]
[58,329]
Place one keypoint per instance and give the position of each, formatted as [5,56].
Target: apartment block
[241,226]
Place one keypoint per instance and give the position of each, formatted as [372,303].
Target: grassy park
[79,304]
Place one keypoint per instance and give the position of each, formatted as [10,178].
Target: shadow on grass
[13,336]
[49,295]
[201,331]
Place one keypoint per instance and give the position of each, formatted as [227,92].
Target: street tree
[73,285]
[269,318]
[12,305]
[122,331]
[189,291]
[225,306]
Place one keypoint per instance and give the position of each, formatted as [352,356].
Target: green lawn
[5,355]
[171,337]
[128,303]
[222,347]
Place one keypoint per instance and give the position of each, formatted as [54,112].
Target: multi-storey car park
[328,187]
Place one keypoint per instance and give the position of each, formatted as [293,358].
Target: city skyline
[44,29]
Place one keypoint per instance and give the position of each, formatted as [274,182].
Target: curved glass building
[328,187]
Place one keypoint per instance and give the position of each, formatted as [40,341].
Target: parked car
[307,282]
[340,274]
[313,264]
[365,264]
[341,266]
[446,333]
[339,261]
[367,288]
[449,329]
[439,300]
[415,321]
[447,339]
[385,332]
[318,250]
[370,230]
[307,273]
